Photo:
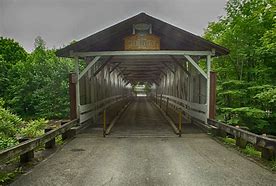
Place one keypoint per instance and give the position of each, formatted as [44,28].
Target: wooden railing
[265,144]
[26,148]
[89,110]
[195,110]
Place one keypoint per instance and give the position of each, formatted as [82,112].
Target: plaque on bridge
[142,42]
[142,38]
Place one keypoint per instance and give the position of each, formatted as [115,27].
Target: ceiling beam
[142,53]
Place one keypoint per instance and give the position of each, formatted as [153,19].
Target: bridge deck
[193,159]
[142,118]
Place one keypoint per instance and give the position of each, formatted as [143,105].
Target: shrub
[34,128]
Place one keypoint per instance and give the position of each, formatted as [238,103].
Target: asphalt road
[124,158]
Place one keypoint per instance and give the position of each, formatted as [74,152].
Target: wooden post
[212,103]
[72,94]
[104,123]
[161,101]
[28,156]
[69,133]
[241,142]
[179,123]
[77,86]
[52,143]
[208,85]
[167,105]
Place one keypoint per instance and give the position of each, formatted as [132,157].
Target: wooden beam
[73,95]
[143,53]
[208,84]
[89,66]
[117,65]
[195,65]
[180,65]
[212,106]
[102,66]
[169,67]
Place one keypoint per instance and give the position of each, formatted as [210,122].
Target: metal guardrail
[30,145]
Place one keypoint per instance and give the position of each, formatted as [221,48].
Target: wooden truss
[174,73]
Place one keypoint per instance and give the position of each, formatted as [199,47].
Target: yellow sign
[142,42]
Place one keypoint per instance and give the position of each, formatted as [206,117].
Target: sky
[59,22]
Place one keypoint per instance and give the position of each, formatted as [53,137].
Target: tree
[40,84]
[10,53]
[247,74]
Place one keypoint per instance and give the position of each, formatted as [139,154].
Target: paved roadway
[125,158]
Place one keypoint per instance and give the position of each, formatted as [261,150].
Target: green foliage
[6,177]
[229,141]
[247,76]
[6,142]
[251,151]
[39,84]
[9,123]
[11,51]
[34,86]
[11,127]
[34,128]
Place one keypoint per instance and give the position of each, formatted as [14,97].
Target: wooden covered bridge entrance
[142,49]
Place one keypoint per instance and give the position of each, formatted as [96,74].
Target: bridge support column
[212,96]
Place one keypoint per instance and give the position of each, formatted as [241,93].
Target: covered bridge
[143,49]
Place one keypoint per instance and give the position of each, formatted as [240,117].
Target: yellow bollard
[104,122]
[179,122]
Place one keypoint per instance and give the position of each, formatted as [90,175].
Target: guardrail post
[167,105]
[180,123]
[268,153]
[241,142]
[69,133]
[104,123]
[28,156]
[222,133]
[52,143]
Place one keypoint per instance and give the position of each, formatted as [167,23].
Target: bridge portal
[174,64]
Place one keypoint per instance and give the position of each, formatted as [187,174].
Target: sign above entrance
[142,38]
[142,42]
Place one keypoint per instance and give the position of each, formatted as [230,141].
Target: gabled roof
[172,38]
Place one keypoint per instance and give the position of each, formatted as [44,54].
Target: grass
[229,141]
[7,177]
[251,151]
[59,140]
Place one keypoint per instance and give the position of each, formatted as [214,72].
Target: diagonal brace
[89,66]
[196,65]
[102,66]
